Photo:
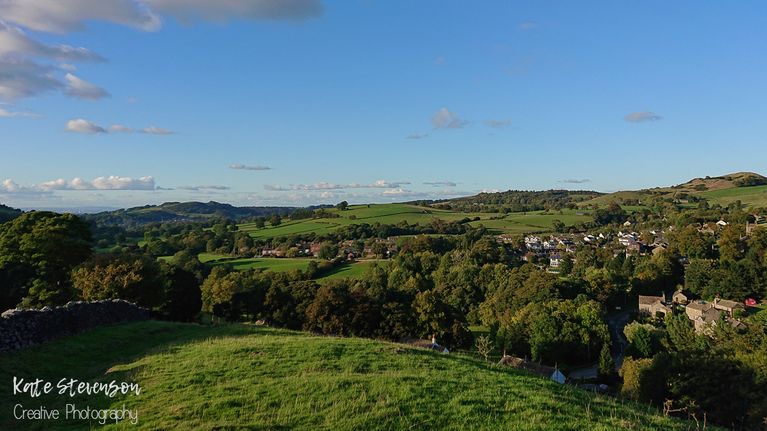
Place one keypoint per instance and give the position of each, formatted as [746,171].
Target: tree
[132,277]
[606,362]
[275,220]
[328,251]
[343,205]
[612,214]
[38,250]
[644,379]
[182,298]
[729,243]
[483,345]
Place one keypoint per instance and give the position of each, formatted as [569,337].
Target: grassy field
[243,377]
[537,221]
[752,196]
[271,264]
[351,270]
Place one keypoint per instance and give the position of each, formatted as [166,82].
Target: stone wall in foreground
[23,328]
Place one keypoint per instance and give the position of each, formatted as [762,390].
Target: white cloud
[642,117]
[15,42]
[575,181]
[498,124]
[82,89]
[444,119]
[111,182]
[222,10]
[152,130]
[527,25]
[58,16]
[240,166]
[119,128]
[80,125]
[23,78]
[21,75]
[10,187]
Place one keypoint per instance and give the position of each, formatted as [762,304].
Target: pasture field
[236,376]
[351,270]
[536,221]
[267,263]
[755,196]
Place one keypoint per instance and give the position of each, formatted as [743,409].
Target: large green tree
[37,252]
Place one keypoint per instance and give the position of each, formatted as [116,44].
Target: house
[679,298]
[706,320]
[552,373]
[728,306]
[426,344]
[555,260]
[696,309]
[721,223]
[653,305]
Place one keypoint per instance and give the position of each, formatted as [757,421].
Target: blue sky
[120,103]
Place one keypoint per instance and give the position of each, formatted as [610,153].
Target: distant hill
[182,212]
[7,213]
[747,187]
[514,200]
[249,377]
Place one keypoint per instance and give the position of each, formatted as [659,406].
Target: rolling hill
[748,187]
[522,222]
[181,212]
[245,377]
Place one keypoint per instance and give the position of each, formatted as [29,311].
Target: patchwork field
[537,221]
[244,377]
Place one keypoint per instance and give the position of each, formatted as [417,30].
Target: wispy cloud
[203,188]
[527,25]
[417,136]
[153,130]
[642,117]
[379,184]
[23,75]
[82,89]
[498,124]
[5,113]
[575,181]
[440,183]
[241,167]
[445,119]
[81,125]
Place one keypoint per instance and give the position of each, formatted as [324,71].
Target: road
[618,344]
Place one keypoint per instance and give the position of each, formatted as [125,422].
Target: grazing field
[536,221]
[752,196]
[352,270]
[245,377]
[267,263]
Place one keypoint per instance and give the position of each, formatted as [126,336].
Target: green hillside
[747,187]
[535,221]
[244,377]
